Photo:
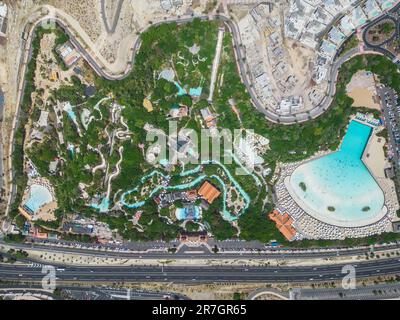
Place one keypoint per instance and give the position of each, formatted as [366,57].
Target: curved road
[101,70]
[379,47]
[242,66]
[240,55]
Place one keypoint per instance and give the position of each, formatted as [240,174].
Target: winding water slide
[101,70]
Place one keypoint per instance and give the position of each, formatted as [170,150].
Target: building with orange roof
[41,235]
[37,234]
[284,223]
[208,192]
[103,241]
[191,195]
[208,117]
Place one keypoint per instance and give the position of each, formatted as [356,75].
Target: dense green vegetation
[218,226]
[388,28]
[324,133]
[191,226]
[12,238]
[25,111]
[161,45]
[17,254]
[349,44]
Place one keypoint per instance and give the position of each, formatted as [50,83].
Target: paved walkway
[216,61]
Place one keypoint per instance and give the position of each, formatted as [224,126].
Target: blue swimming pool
[192,213]
[68,108]
[181,91]
[338,188]
[38,197]
[103,206]
[194,92]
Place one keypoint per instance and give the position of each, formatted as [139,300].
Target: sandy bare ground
[376,162]
[374,156]
[86,13]
[362,90]
[363,97]
[214,291]
[46,213]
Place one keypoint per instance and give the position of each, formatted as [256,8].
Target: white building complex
[3,19]
[318,28]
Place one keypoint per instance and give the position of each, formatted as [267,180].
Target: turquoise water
[190,172]
[38,197]
[138,204]
[164,162]
[103,206]
[387,4]
[182,214]
[185,186]
[181,91]
[71,149]
[72,115]
[341,180]
[196,92]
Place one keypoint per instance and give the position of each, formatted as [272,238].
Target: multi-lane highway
[243,69]
[87,293]
[202,253]
[193,274]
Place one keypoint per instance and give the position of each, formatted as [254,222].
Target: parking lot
[391,112]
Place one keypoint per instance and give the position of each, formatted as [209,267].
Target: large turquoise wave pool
[338,188]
